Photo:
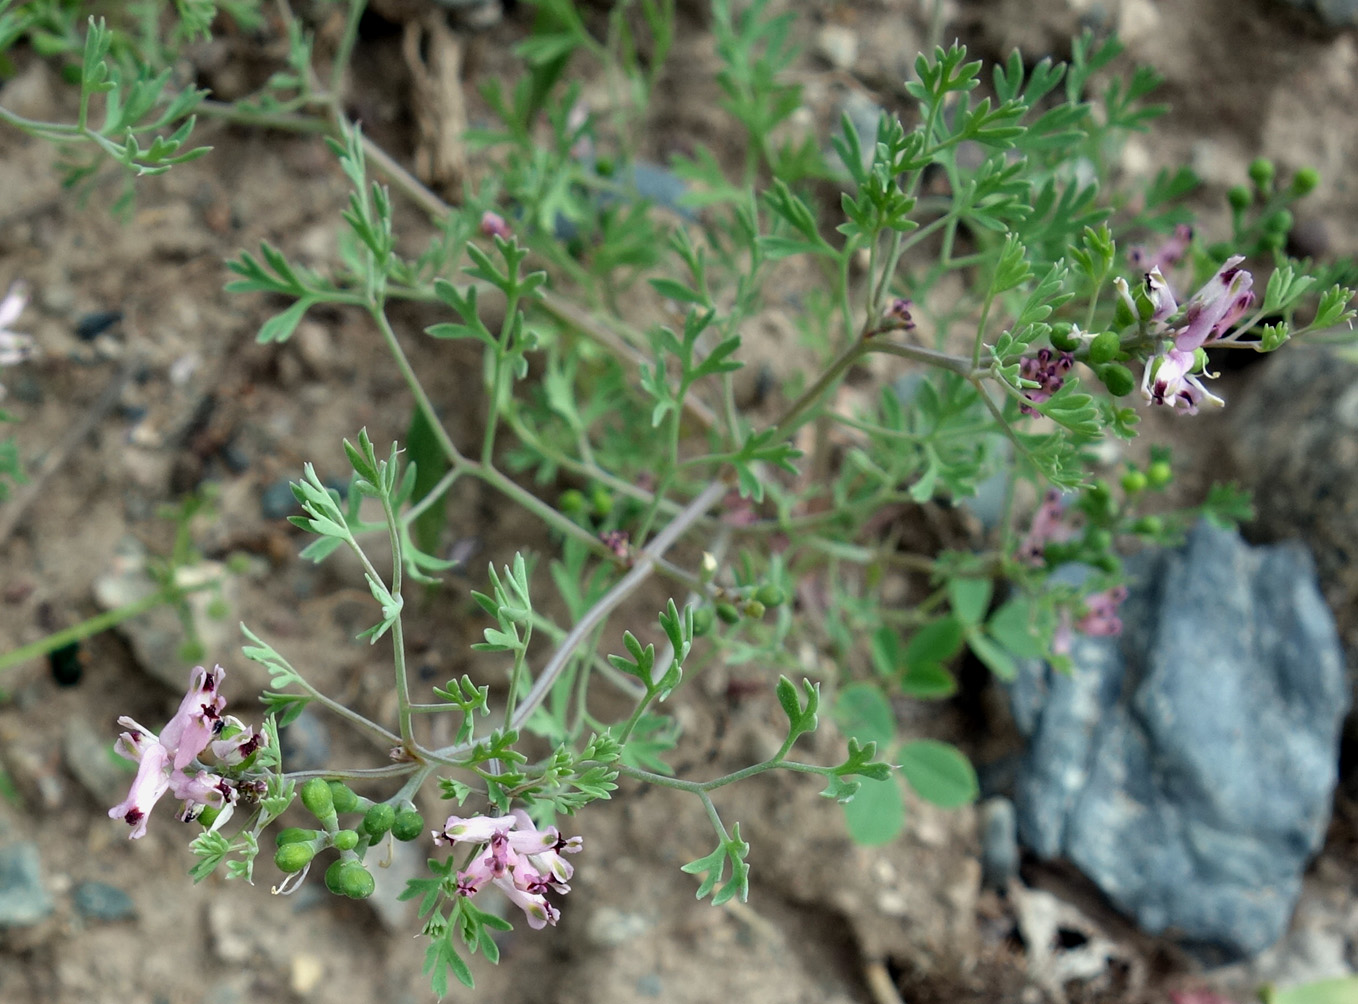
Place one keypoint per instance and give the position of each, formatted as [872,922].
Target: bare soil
[178,397]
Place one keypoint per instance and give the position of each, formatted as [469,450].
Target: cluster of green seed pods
[327,801]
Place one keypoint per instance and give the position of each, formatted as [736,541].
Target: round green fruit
[408,825]
[1105,347]
[378,820]
[293,857]
[343,798]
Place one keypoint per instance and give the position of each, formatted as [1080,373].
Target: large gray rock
[1187,767]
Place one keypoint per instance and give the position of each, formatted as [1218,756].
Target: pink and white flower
[169,761]
[523,862]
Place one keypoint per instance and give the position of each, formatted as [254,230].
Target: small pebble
[23,900]
[100,901]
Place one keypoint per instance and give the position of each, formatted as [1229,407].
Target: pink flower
[1216,307]
[521,861]
[1167,255]
[1169,376]
[1169,380]
[494,225]
[1049,526]
[164,762]
[1100,618]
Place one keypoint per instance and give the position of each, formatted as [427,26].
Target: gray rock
[100,901]
[1187,767]
[1335,13]
[23,900]
[999,843]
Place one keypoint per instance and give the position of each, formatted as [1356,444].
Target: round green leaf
[863,713]
[939,772]
[877,813]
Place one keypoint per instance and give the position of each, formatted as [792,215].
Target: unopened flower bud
[494,225]
[378,820]
[408,825]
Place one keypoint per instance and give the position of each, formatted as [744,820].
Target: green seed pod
[770,595]
[1199,360]
[1279,222]
[1104,348]
[1150,525]
[378,820]
[318,800]
[753,609]
[208,816]
[1099,540]
[1107,563]
[1305,181]
[343,797]
[1159,474]
[1117,378]
[1261,173]
[1134,482]
[332,876]
[295,835]
[572,502]
[728,613]
[1221,251]
[1063,337]
[294,857]
[354,880]
[345,840]
[1272,241]
[601,501]
[408,825]
[702,621]
[1240,197]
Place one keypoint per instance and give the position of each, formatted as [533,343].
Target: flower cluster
[169,761]
[1048,370]
[1049,526]
[1170,376]
[14,347]
[1099,619]
[521,861]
